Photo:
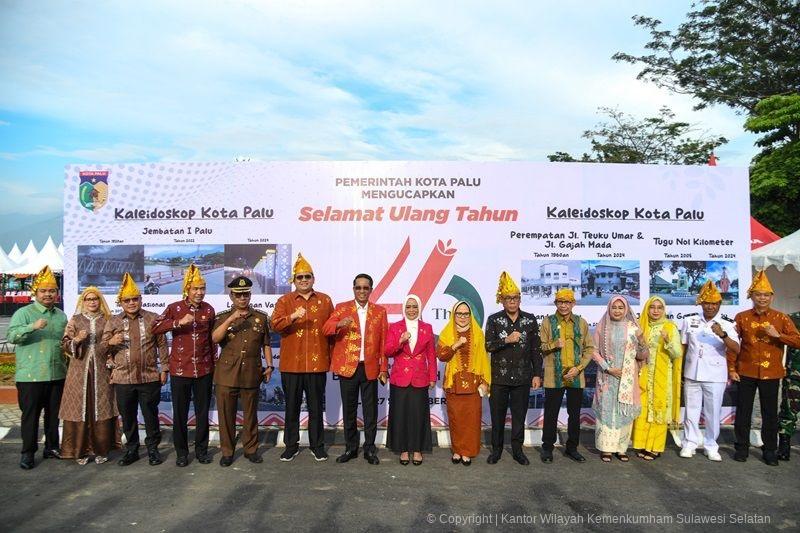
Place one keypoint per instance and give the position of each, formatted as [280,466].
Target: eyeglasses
[130,300]
[563,302]
[95,299]
[242,294]
[362,288]
[301,277]
[462,315]
[511,298]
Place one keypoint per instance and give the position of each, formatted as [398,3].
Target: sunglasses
[130,300]
[242,294]
[301,277]
[362,288]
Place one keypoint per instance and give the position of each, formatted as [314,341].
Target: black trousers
[145,396]
[33,398]
[503,397]
[294,385]
[198,391]
[552,405]
[350,388]
[768,395]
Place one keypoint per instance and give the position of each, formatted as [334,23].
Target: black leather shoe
[204,458]
[347,455]
[182,461]
[740,457]
[154,458]
[253,458]
[372,458]
[130,457]
[226,460]
[454,460]
[770,458]
[575,456]
[466,461]
[494,457]
[546,456]
[27,462]
[521,458]
[52,454]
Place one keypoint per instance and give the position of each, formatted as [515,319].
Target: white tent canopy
[781,260]
[779,254]
[29,254]
[48,255]
[6,263]
[15,255]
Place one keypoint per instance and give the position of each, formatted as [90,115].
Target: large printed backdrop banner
[441,230]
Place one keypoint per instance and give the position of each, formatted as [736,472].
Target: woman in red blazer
[411,346]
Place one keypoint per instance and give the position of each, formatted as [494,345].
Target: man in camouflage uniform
[790,398]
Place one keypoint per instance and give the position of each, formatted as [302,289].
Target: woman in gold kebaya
[467,377]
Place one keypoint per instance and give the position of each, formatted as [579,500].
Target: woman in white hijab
[411,346]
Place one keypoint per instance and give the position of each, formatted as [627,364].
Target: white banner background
[439,227]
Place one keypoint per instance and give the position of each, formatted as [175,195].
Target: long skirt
[464,416]
[649,436]
[612,440]
[89,437]
[409,427]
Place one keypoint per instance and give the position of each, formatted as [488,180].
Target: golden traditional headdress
[566,294]
[128,289]
[506,287]
[192,278]
[301,265]
[760,284]
[708,294]
[45,279]
[93,290]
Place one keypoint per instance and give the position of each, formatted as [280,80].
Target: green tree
[775,173]
[731,52]
[652,140]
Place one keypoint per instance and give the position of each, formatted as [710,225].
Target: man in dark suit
[358,328]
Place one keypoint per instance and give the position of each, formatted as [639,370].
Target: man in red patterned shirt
[191,364]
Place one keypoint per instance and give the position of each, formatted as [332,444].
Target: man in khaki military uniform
[243,333]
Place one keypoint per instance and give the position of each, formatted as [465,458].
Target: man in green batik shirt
[567,350]
[37,330]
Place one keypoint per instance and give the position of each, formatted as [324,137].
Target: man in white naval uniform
[706,338]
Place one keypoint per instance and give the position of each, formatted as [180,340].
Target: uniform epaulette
[687,315]
[258,311]
[222,313]
[726,317]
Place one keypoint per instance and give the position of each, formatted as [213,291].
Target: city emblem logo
[93,190]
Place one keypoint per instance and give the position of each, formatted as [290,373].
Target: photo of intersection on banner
[440,230]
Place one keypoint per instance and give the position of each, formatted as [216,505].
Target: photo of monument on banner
[164,266]
[678,282]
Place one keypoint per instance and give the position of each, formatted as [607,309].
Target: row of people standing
[521,356]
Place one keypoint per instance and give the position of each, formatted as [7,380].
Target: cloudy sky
[108,82]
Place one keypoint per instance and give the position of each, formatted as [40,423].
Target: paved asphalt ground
[437,496]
